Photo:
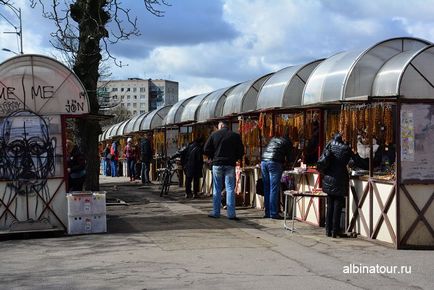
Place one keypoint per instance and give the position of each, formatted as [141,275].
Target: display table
[296,196]
[311,209]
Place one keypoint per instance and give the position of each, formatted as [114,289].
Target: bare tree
[81,32]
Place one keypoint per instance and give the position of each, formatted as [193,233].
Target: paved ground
[170,243]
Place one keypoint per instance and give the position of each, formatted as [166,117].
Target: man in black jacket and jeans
[224,148]
[278,152]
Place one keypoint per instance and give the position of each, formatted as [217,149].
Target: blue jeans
[223,174]
[131,163]
[145,172]
[114,165]
[271,174]
[106,167]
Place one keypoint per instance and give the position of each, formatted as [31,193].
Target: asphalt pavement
[169,242]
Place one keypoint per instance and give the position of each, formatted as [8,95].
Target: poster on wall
[417,142]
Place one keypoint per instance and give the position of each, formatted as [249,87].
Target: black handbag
[324,160]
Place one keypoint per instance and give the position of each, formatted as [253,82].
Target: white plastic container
[86,212]
[87,224]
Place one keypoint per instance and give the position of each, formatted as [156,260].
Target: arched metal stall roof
[154,119]
[284,89]
[350,75]
[189,114]
[174,115]
[243,97]
[134,124]
[409,74]
[212,105]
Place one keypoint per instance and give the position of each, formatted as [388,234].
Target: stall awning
[212,105]
[349,75]
[189,114]
[243,97]
[175,113]
[409,74]
[134,124]
[42,85]
[284,89]
[154,119]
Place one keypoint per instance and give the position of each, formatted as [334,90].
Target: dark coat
[278,149]
[224,147]
[336,179]
[76,163]
[146,150]
[194,160]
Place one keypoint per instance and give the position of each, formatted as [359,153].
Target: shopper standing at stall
[335,183]
[146,157]
[114,158]
[224,148]
[130,155]
[106,160]
[276,154]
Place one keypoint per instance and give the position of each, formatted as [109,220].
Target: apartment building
[138,95]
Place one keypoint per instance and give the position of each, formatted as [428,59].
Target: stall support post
[398,172]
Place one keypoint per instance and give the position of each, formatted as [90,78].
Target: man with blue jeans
[274,156]
[224,148]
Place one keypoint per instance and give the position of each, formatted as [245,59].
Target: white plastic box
[83,203]
[87,224]
[86,212]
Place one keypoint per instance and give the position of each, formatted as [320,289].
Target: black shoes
[277,217]
[234,218]
[213,216]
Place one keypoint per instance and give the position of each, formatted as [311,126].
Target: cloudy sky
[211,44]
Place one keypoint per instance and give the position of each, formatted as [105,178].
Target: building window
[134,112]
[142,90]
[115,97]
[134,89]
[122,89]
[128,105]
[142,105]
[134,105]
[122,97]
[135,97]
[142,111]
[128,89]
[128,97]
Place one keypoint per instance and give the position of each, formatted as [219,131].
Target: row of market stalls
[382,101]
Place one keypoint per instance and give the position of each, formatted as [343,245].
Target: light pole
[8,50]
[18,30]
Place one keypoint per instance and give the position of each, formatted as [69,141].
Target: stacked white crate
[86,212]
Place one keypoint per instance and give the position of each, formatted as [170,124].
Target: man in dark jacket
[335,183]
[277,152]
[192,163]
[76,167]
[146,157]
[224,148]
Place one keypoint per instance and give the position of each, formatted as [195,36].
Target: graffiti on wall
[27,154]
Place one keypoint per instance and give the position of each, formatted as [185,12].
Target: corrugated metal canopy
[121,129]
[154,119]
[111,131]
[284,89]
[409,74]
[189,114]
[243,97]
[175,113]
[212,105]
[134,124]
[351,74]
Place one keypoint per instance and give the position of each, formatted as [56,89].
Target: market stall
[372,89]
[39,98]
[240,107]
[280,103]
